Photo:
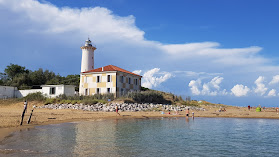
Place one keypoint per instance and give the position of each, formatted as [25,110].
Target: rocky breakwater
[134,107]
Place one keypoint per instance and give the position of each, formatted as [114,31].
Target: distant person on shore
[276,109]
[187,112]
[249,107]
[116,109]
[176,111]
[193,115]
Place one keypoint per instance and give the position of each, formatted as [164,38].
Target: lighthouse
[87,60]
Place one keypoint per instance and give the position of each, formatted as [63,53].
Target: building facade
[109,79]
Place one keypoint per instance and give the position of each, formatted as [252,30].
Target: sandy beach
[10,115]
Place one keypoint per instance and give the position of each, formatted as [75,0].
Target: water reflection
[95,138]
[148,137]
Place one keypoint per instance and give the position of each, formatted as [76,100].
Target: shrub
[50,101]
[89,101]
[147,97]
[38,96]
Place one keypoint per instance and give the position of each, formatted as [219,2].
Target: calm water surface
[148,137]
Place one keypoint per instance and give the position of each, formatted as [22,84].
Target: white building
[47,90]
[56,90]
[107,79]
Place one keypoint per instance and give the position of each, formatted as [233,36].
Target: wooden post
[24,110]
[30,116]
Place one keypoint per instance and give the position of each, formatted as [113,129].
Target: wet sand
[10,115]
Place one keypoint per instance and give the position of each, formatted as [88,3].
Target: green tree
[37,77]
[21,81]
[22,78]
[13,70]
[49,75]
[57,79]
[3,78]
[72,80]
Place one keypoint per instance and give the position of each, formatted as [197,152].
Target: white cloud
[194,86]
[153,78]
[234,56]
[211,88]
[196,74]
[137,72]
[240,90]
[274,80]
[105,26]
[260,89]
[272,92]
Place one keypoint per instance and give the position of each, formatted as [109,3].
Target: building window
[52,90]
[121,79]
[85,79]
[98,91]
[109,80]
[108,90]
[86,92]
[98,79]
[129,81]
[136,81]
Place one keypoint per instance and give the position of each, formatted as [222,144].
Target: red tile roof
[110,68]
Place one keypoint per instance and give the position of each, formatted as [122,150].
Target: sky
[219,51]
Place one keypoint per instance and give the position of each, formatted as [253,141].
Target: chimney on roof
[102,68]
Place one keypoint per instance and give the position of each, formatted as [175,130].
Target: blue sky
[220,51]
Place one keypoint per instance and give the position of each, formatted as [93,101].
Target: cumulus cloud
[274,80]
[105,26]
[194,86]
[137,72]
[260,89]
[48,18]
[240,90]
[211,88]
[272,92]
[153,78]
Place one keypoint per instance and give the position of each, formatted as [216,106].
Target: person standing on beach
[193,115]
[249,107]
[187,112]
[116,109]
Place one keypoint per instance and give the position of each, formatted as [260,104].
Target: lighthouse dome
[88,42]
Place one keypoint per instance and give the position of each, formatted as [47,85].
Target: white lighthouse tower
[87,60]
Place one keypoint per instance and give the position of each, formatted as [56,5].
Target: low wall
[23,93]
[7,92]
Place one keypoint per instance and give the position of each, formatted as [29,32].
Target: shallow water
[148,137]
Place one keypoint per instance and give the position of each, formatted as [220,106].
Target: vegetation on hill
[22,78]
[148,96]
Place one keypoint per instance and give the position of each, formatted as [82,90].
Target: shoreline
[8,131]
[10,116]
